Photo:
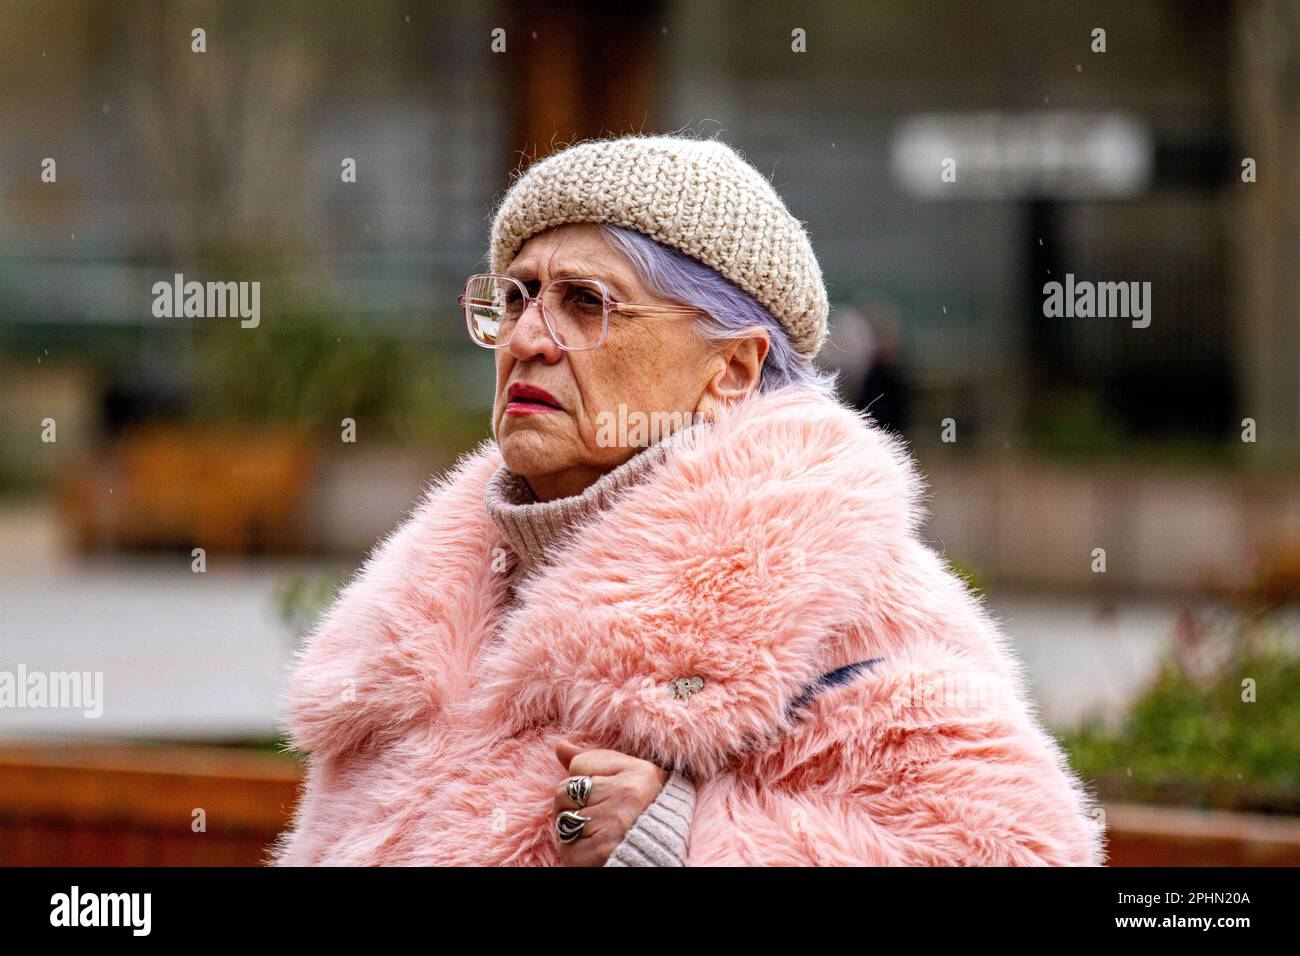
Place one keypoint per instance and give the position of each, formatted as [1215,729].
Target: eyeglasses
[575,310]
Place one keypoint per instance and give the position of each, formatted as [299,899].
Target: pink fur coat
[767,557]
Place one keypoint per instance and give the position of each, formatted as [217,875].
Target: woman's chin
[526,451]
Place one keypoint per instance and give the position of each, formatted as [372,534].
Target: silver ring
[578,789]
[570,824]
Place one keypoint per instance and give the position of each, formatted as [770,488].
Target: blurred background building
[1071,434]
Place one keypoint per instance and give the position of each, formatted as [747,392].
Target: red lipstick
[528,399]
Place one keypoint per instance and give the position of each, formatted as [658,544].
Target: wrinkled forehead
[574,249]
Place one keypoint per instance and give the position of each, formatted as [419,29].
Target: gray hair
[732,313]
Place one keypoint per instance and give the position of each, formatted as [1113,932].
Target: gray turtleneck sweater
[534,528]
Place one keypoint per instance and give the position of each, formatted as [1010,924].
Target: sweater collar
[535,529]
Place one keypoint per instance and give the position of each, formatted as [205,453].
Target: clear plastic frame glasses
[575,310]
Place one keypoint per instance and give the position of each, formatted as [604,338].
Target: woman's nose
[530,336]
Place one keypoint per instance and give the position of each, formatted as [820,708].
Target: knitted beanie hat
[697,196]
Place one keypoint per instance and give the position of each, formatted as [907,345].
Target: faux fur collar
[747,559]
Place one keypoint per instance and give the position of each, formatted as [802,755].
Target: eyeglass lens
[575,311]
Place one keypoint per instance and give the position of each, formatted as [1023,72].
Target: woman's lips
[530,400]
[528,408]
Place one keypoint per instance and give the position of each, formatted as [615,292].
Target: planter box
[1174,836]
[134,806]
[225,490]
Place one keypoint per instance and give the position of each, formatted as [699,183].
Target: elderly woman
[677,612]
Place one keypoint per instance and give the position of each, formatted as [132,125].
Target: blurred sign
[1038,155]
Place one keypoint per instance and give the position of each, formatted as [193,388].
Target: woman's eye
[586,298]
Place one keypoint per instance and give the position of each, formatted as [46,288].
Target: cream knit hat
[696,195]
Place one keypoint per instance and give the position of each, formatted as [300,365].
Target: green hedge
[1195,739]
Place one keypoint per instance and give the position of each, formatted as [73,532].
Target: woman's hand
[621,787]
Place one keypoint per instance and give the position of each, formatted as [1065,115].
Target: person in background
[884,390]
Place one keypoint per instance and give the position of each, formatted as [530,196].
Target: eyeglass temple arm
[629,307]
[660,309]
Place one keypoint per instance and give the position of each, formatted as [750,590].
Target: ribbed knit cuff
[660,834]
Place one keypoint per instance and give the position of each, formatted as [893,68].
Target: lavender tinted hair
[732,312]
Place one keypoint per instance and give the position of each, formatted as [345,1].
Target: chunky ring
[578,789]
[570,825]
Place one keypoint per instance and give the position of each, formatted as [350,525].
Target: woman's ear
[736,369]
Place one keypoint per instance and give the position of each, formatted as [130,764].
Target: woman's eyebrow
[570,271]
